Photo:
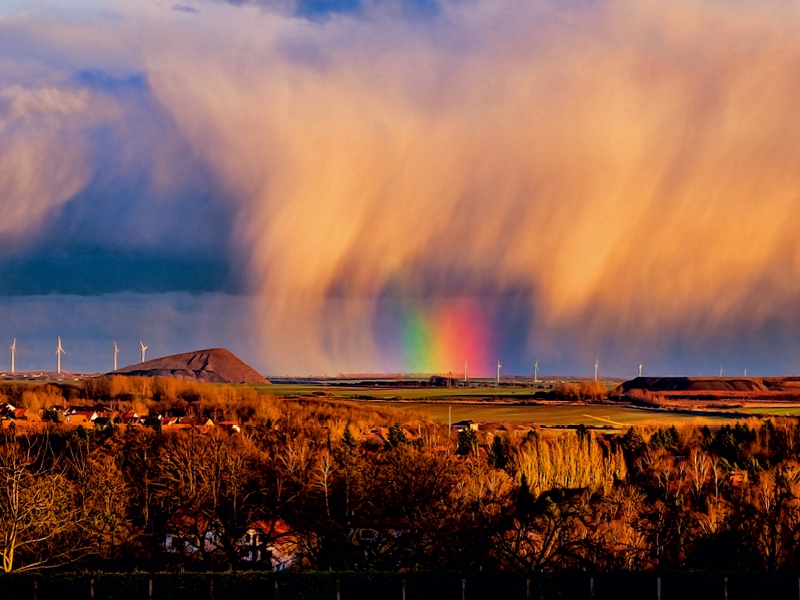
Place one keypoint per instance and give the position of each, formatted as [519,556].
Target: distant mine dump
[214,365]
[676,387]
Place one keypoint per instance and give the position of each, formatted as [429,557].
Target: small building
[81,420]
[190,533]
[130,418]
[464,425]
[269,540]
[87,415]
[377,432]
[23,414]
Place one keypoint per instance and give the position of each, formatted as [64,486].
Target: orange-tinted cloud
[41,164]
[625,170]
[633,165]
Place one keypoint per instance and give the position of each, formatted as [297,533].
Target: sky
[403,186]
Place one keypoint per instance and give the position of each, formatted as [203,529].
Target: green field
[411,393]
[557,414]
[433,403]
[778,411]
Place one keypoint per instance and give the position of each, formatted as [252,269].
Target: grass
[358,392]
[433,403]
[559,414]
[767,411]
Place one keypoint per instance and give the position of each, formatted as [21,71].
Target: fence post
[726,587]
[464,589]
[211,588]
[91,588]
[658,588]
[150,589]
[35,589]
[404,589]
[528,589]
[276,588]
[591,587]
[338,590]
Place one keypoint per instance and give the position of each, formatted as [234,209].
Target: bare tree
[40,523]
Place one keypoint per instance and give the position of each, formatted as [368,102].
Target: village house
[464,425]
[192,535]
[376,437]
[269,540]
[81,418]
[189,533]
[382,433]
[130,418]
[19,414]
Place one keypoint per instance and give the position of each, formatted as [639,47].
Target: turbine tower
[640,369]
[59,352]
[596,367]
[720,371]
[745,371]
[116,351]
[499,366]
[144,348]
[466,362]
[536,371]
[13,354]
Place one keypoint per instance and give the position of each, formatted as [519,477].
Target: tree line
[411,496]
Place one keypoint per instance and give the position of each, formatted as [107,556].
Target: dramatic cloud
[630,169]
[42,155]
[484,178]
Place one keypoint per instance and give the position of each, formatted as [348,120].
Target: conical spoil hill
[214,365]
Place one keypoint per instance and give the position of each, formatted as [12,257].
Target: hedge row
[410,586]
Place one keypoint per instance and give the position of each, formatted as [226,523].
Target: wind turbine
[144,348]
[745,371]
[13,354]
[596,367]
[536,371]
[720,371]
[499,366]
[466,362]
[116,351]
[59,352]
[640,369]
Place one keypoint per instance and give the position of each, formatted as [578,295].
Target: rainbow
[441,338]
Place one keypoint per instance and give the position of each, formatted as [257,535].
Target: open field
[434,402]
[774,410]
[560,414]
[358,392]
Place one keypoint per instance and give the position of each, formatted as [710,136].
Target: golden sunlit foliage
[570,460]
[366,486]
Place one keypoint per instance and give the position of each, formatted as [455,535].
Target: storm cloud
[592,179]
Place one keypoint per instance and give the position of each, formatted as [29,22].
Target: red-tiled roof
[275,528]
